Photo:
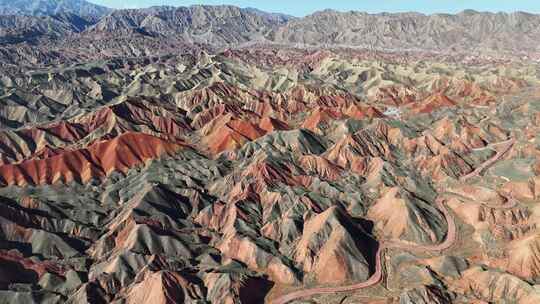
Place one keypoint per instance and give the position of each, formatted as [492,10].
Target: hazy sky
[304,7]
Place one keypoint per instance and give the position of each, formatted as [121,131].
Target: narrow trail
[493,145]
[377,276]
[510,202]
[509,144]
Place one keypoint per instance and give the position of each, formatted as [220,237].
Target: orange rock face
[270,124]
[320,116]
[524,257]
[433,103]
[327,252]
[163,287]
[225,133]
[96,161]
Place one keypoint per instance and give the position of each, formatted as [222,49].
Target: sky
[304,7]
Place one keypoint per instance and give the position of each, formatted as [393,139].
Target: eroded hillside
[271,175]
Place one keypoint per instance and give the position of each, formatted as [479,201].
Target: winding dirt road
[509,203]
[509,144]
[399,244]
[378,274]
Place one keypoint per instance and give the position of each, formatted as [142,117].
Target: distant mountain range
[467,30]
[230,26]
[52,7]
[216,25]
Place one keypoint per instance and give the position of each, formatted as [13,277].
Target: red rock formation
[330,252]
[432,103]
[133,114]
[154,117]
[270,124]
[163,287]
[320,116]
[204,117]
[266,173]
[320,166]
[362,112]
[96,161]
[14,261]
[226,133]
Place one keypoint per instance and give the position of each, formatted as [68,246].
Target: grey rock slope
[52,7]
[66,37]
[225,26]
[229,25]
[466,30]
[219,25]
[16,29]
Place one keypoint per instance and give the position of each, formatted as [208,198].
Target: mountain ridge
[52,7]
[230,26]
[217,154]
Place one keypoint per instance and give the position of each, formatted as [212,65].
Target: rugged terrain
[182,155]
[52,7]
[69,34]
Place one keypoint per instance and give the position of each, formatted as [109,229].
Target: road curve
[398,244]
[509,144]
[510,202]
[377,276]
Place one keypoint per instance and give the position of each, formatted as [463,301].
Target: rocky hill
[52,7]
[229,26]
[215,25]
[203,176]
[211,155]
[468,30]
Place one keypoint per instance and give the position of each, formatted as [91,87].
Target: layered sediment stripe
[96,161]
